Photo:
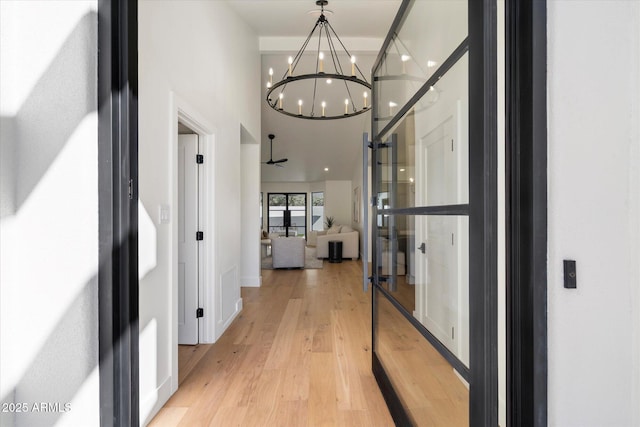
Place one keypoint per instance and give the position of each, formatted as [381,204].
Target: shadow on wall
[32,139]
[29,144]
[62,365]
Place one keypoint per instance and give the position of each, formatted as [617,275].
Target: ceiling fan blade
[281,161]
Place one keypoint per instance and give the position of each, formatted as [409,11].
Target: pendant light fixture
[321,84]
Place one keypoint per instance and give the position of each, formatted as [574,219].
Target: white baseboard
[251,281]
[222,326]
[151,404]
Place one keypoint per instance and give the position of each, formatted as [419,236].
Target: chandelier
[328,92]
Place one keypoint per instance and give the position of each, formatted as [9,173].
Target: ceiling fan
[271,161]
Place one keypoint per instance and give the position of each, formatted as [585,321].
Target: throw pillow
[346,229]
[334,230]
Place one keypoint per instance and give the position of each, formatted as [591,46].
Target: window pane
[431,32]
[317,211]
[425,382]
[427,162]
[426,261]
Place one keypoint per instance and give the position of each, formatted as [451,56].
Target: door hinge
[453,333]
[199,313]
[452,145]
[199,235]
[199,159]
[130,189]
[452,243]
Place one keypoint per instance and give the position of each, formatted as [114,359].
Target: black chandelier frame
[323,24]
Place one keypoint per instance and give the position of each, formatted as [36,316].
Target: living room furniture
[350,241]
[265,243]
[335,251]
[288,252]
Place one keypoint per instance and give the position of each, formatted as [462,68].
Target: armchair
[287,252]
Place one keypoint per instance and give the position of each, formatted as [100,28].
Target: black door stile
[118,214]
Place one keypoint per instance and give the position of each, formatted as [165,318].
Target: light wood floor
[298,355]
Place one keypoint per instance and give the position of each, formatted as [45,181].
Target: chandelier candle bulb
[391,105]
[404,59]
[364,96]
[346,106]
[270,76]
[299,107]
[324,104]
[321,62]
[290,62]
[353,65]
[280,100]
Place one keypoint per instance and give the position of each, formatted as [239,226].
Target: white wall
[593,212]
[185,49]
[49,214]
[250,261]
[337,201]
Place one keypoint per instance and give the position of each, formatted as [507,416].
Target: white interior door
[437,237]
[188,246]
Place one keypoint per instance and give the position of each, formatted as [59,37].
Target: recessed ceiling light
[431,63]
[410,179]
[326,169]
[402,169]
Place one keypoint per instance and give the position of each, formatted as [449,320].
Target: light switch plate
[165,214]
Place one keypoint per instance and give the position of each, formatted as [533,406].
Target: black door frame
[482,210]
[526,216]
[526,59]
[118,212]
[526,200]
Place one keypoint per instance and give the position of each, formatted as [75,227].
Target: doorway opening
[192,231]
[190,235]
[287,215]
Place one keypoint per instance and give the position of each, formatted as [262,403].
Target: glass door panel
[297,206]
[431,392]
[288,214]
[429,164]
[430,32]
[275,214]
[421,228]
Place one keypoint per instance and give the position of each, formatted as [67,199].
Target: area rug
[310,260]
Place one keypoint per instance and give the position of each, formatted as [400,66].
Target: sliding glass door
[287,215]
[433,233]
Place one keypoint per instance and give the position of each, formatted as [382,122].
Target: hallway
[298,354]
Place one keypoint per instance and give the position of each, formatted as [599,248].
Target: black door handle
[422,247]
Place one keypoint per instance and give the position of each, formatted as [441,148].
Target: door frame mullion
[118,212]
[483,268]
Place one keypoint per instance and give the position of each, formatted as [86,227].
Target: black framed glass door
[287,214]
[433,228]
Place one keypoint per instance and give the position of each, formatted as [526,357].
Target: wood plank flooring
[299,354]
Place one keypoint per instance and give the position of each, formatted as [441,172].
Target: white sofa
[288,252]
[350,242]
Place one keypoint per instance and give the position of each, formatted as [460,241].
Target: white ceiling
[312,145]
